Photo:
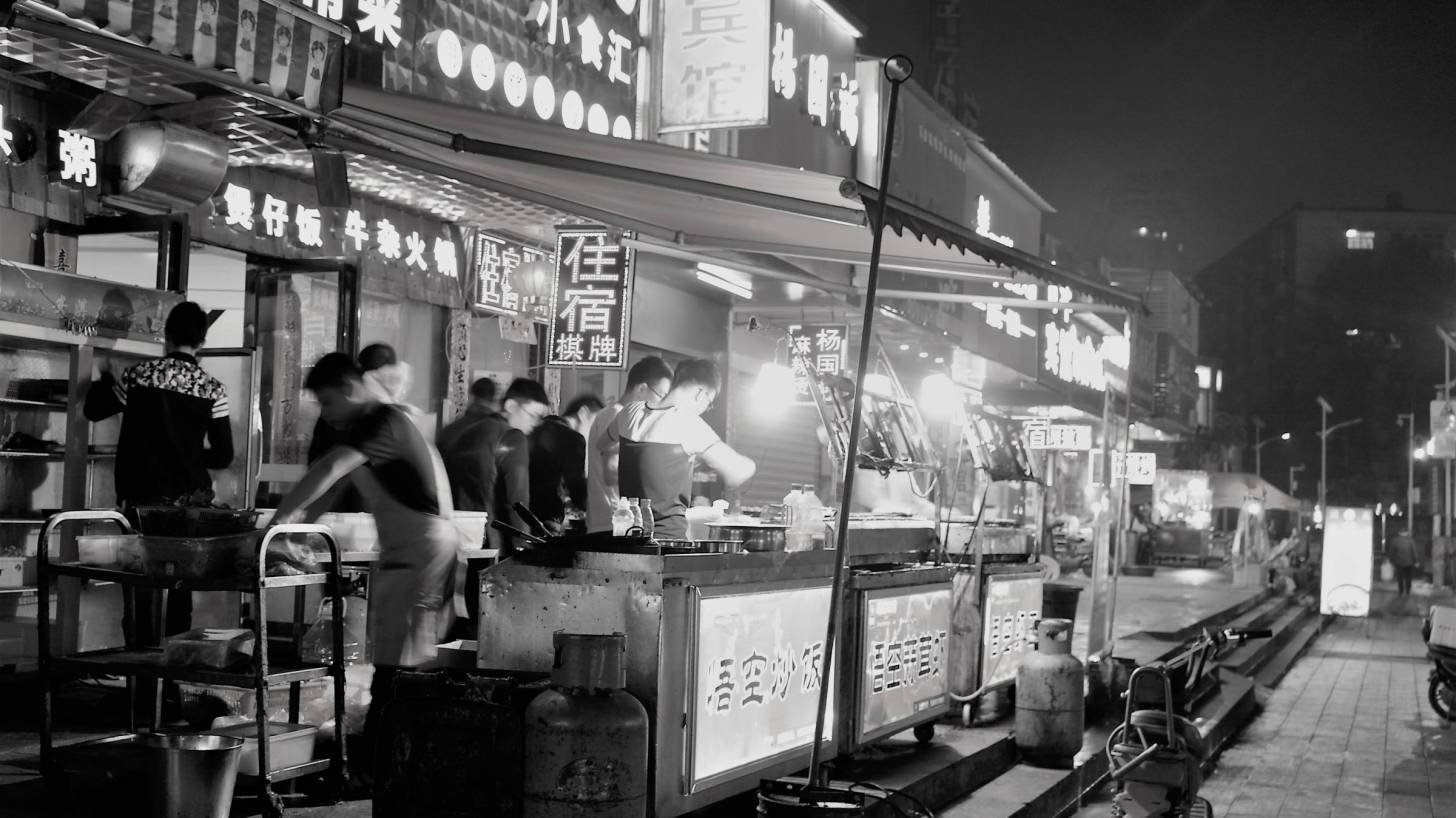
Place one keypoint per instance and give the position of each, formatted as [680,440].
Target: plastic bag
[318,642]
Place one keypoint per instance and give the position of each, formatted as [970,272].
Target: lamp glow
[938,395]
[774,388]
[878,385]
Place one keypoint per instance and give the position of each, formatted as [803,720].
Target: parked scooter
[1156,755]
[1441,690]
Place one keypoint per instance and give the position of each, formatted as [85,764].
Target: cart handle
[83,516]
[1120,772]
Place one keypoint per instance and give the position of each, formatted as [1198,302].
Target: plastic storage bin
[219,648]
[195,557]
[107,551]
[12,572]
[289,745]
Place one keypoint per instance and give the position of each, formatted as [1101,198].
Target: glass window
[417,332]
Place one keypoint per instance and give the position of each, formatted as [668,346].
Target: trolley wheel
[1443,697]
[966,714]
[271,803]
[1200,809]
[924,732]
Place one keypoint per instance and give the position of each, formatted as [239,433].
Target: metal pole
[1410,474]
[1259,459]
[1324,447]
[897,70]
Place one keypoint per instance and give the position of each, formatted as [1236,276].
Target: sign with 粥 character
[715,64]
[905,639]
[754,679]
[818,348]
[591,311]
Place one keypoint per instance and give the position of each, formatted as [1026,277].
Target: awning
[676,199]
[903,217]
[1236,489]
[273,51]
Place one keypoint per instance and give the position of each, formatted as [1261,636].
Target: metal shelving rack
[147,661]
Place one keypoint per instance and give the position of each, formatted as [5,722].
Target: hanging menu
[591,311]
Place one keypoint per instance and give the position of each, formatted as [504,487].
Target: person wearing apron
[414,592]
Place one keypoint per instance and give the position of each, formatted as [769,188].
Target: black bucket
[789,806]
[1059,600]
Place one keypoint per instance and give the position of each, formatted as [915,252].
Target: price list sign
[817,348]
[591,310]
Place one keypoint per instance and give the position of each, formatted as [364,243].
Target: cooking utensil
[531,519]
[718,546]
[755,537]
[510,529]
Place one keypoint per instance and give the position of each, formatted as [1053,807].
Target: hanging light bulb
[774,389]
[938,394]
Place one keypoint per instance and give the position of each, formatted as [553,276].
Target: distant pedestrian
[1402,554]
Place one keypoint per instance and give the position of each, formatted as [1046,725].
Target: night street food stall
[725,650]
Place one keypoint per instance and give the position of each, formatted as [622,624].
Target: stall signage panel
[1042,434]
[573,63]
[591,312]
[819,348]
[715,64]
[72,157]
[496,281]
[1008,630]
[1140,468]
[1443,429]
[905,648]
[1345,569]
[756,682]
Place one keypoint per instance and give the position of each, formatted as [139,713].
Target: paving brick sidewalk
[1347,733]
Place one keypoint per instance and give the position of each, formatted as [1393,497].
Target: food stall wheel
[966,714]
[924,732]
[271,803]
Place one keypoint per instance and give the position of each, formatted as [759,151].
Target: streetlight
[1259,451]
[1325,431]
[1408,420]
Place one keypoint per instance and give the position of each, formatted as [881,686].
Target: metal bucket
[782,805]
[192,776]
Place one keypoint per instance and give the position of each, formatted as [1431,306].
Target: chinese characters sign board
[1139,468]
[1008,631]
[573,63]
[591,311]
[818,348]
[715,64]
[1041,434]
[497,260]
[755,681]
[905,644]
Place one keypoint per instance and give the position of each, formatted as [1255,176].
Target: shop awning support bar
[685,254]
[1009,300]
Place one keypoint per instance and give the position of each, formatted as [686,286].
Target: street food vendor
[403,481]
[174,428]
[648,379]
[659,439]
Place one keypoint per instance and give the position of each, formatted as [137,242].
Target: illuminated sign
[904,644]
[334,233]
[824,347]
[591,311]
[983,222]
[497,260]
[7,136]
[755,679]
[1074,355]
[1008,631]
[829,101]
[571,62]
[1443,429]
[1140,468]
[715,64]
[1345,569]
[1042,434]
[78,159]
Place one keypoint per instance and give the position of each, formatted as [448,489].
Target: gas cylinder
[1049,706]
[586,736]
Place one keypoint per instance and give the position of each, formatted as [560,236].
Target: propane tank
[1049,706]
[586,737]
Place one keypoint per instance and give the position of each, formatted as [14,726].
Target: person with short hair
[175,428]
[487,457]
[404,483]
[1401,551]
[660,439]
[558,462]
[648,379]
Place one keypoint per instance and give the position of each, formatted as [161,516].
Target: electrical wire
[887,793]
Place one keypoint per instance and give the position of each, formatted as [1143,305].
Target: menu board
[1345,568]
[904,644]
[1012,609]
[755,678]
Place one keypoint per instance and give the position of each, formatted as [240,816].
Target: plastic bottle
[648,519]
[635,508]
[811,508]
[621,518]
[791,517]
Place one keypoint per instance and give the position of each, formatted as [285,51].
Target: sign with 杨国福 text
[755,679]
[906,636]
[818,348]
[715,64]
[591,311]
[497,288]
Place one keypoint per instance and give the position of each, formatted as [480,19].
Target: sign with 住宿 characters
[905,642]
[818,348]
[755,679]
[591,310]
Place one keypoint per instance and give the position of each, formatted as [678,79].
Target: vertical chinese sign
[497,288]
[755,687]
[591,311]
[819,348]
[905,639]
[715,64]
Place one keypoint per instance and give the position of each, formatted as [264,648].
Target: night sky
[1238,109]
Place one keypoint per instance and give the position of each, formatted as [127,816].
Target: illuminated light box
[1347,563]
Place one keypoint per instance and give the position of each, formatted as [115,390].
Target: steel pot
[755,537]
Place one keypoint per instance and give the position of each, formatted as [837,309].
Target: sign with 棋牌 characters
[591,299]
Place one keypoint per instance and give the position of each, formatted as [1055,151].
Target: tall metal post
[1324,450]
[897,70]
[1409,418]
